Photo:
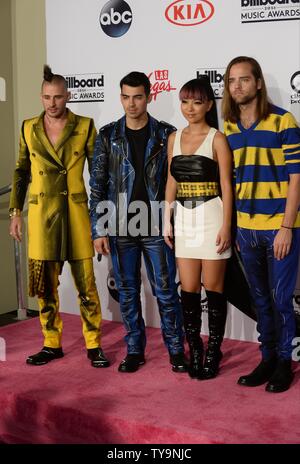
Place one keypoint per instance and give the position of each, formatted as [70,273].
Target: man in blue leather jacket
[127,185]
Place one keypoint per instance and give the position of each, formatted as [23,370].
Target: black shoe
[97,357]
[132,362]
[178,362]
[281,378]
[44,356]
[260,375]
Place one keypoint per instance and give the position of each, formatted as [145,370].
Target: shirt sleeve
[290,139]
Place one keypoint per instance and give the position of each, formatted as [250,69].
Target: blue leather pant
[126,253]
[272,283]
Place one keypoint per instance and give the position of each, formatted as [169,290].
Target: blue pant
[272,283]
[160,264]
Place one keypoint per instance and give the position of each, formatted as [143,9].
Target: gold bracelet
[14,212]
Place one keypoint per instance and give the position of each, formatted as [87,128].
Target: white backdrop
[170,41]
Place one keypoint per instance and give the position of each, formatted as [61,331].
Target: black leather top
[194,168]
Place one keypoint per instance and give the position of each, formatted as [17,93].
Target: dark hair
[53,78]
[135,79]
[230,110]
[200,89]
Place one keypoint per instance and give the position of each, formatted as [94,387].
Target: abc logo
[115,18]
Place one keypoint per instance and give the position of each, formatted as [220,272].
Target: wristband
[14,212]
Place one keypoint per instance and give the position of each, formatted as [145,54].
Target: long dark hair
[200,89]
[230,110]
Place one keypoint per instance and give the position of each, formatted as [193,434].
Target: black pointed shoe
[97,357]
[282,377]
[178,362]
[132,362]
[260,375]
[44,356]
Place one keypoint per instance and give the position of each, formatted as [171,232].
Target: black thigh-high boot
[191,305]
[217,312]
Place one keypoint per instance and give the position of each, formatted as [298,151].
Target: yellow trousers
[90,309]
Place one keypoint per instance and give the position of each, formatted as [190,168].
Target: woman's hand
[223,240]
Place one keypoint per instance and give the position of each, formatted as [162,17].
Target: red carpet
[68,401]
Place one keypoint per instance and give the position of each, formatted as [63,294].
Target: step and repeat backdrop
[95,43]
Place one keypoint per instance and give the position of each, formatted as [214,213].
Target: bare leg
[214,274]
[190,274]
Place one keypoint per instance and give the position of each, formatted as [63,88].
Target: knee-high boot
[217,312]
[191,305]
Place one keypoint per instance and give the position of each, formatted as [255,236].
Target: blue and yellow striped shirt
[264,157]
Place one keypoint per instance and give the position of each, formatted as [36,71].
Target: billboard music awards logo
[295,84]
[160,82]
[189,12]
[115,18]
[216,79]
[86,87]
[259,11]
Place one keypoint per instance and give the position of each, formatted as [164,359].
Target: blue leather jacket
[112,174]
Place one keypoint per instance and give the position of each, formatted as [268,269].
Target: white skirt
[196,230]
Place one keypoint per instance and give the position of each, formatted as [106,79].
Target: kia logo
[115,18]
[189,12]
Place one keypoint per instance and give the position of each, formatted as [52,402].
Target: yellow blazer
[58,216]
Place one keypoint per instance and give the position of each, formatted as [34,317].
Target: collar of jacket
[120,127]
[66,133]
[155,141]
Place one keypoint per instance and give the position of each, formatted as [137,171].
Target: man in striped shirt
[265,141]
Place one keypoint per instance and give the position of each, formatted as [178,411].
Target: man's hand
[282,243]
[101,245]
[168,234]
[15,228]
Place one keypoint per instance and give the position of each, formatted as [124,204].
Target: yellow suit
[58,218]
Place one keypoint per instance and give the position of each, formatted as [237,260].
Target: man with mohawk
[53,149]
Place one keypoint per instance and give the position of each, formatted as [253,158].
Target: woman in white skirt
[200,173]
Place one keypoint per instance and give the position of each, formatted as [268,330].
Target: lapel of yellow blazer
[42,137]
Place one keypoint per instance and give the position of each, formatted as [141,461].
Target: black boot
[261,374]
[217,312]
[282,377]
[191,305]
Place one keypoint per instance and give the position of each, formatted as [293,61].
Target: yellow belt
[195,189]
